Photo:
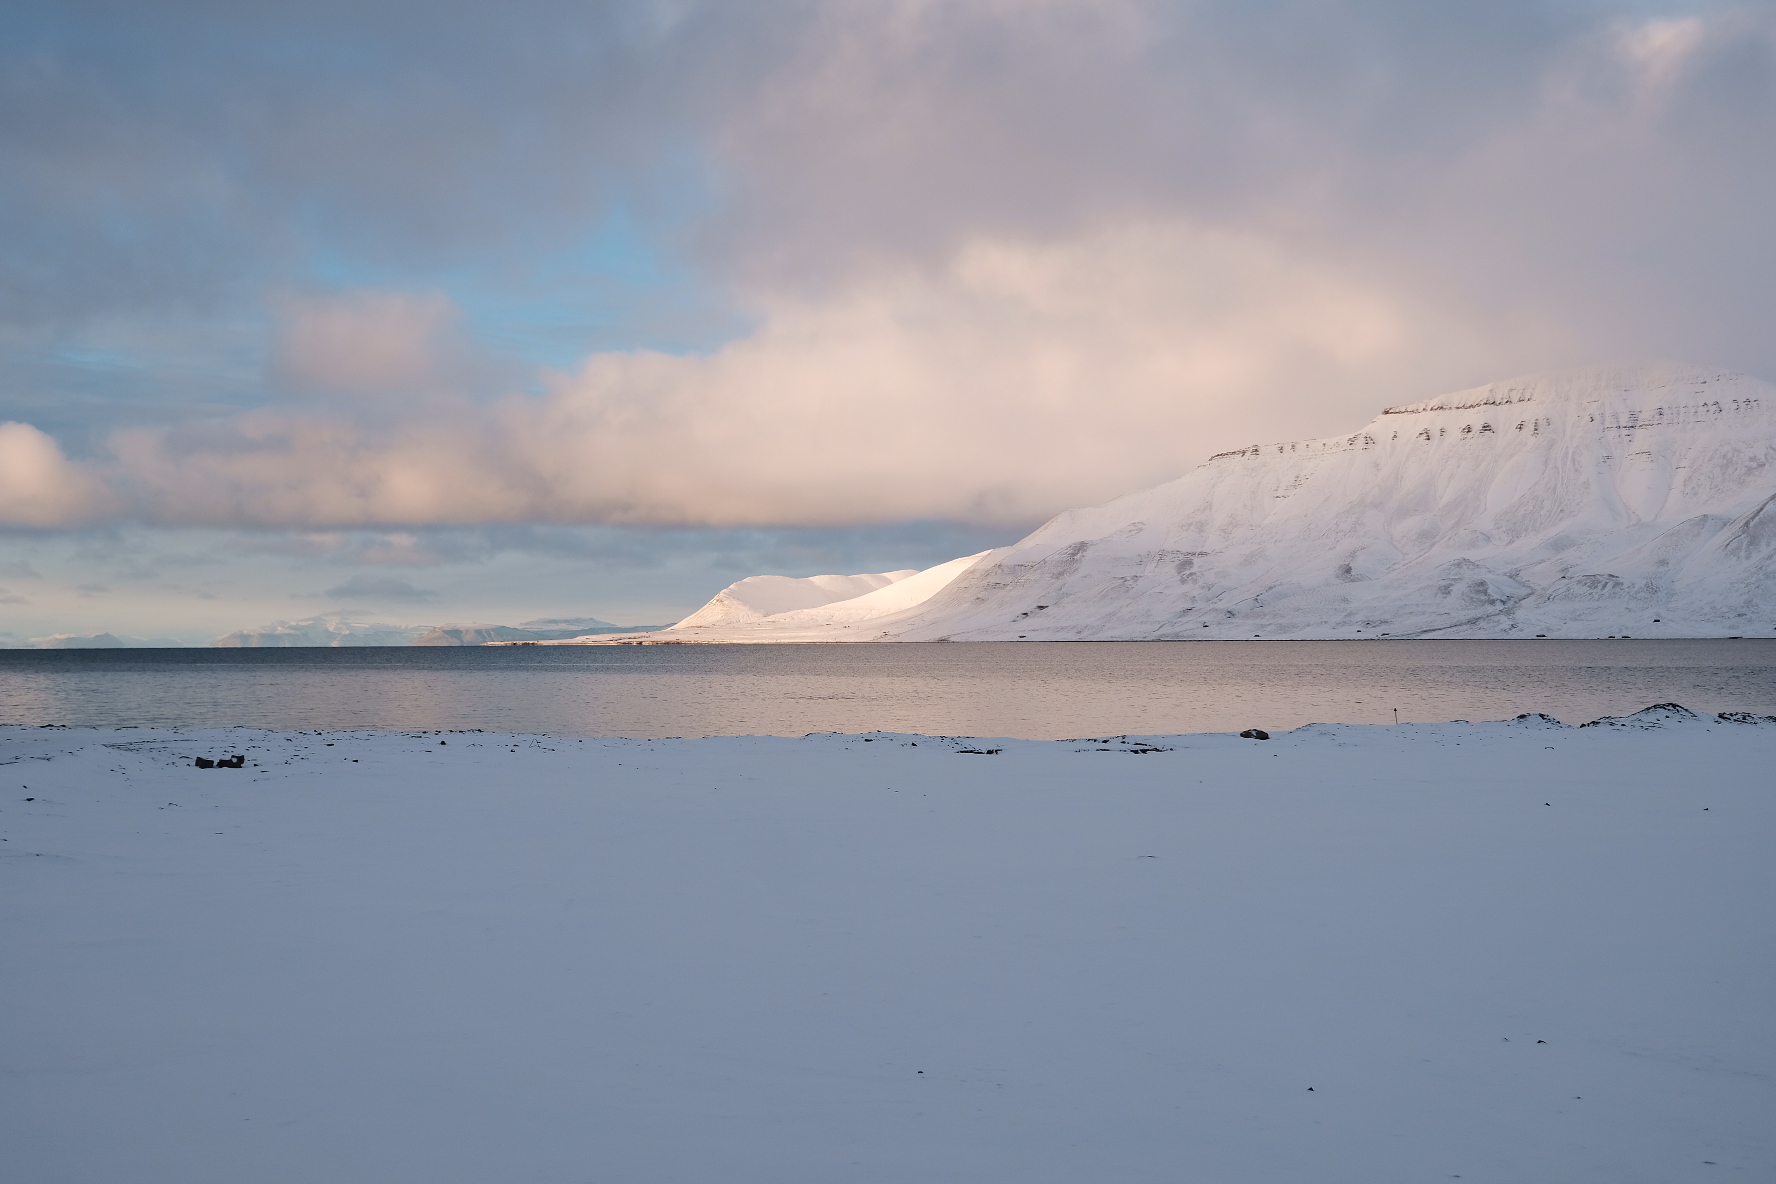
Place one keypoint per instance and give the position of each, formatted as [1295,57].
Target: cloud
[399,550]
[1661,48]
[998,256]
[1012,381]
[791,143]
[366,548]
[41,487]
[364,342]
[365,588]
[189,156]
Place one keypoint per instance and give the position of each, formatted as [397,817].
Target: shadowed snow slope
[1586,503]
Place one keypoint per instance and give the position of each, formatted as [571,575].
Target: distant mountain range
[334,632]
[542,629]
[92,641]
[1600,502]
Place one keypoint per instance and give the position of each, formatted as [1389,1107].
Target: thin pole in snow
[1396,715]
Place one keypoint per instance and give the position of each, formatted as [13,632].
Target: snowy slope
[1586,503]
[859,618]
[907,593]
[757,597]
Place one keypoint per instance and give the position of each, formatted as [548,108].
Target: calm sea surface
[1041,691]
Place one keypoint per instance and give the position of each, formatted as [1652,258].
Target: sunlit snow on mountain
[1607,501]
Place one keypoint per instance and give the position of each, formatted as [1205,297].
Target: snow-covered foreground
[1497,952]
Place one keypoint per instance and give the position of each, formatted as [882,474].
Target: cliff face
[1587,503]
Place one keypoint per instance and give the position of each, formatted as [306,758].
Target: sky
[461,312]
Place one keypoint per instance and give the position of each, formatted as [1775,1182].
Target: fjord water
[1032,691]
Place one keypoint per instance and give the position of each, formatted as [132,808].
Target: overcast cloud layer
[674,264]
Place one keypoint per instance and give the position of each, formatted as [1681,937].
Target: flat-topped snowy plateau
[1603,502]
[1486,952]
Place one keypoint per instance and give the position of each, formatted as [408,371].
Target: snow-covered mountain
[1607,501]
[337,631]
[758,597]
[808,608]
[542,629]
[320,631]
[89,641]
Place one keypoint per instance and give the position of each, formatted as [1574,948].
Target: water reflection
[986,689]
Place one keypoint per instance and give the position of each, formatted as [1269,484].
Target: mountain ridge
[1467,514]
[1592,502]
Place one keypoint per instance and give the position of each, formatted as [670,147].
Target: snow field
[469,957]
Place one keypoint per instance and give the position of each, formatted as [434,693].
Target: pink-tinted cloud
[41,487]
[1003,256]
